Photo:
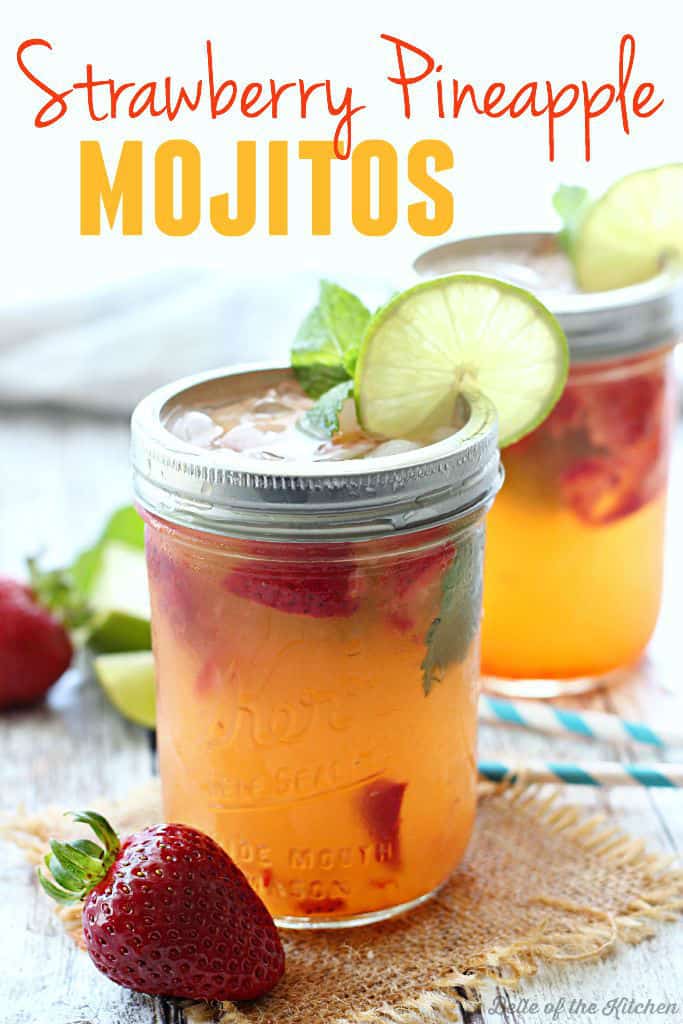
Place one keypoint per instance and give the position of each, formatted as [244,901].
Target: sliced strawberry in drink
[172,582]
[626,426]
[308,580]
[380,805]
[567,416]
[606,488]
[412,573]
[591,487]
[412,588]
[208,679]
[329,905]
[620,413]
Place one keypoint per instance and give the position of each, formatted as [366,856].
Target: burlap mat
[542,882]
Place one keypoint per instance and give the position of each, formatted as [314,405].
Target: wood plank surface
[61,475]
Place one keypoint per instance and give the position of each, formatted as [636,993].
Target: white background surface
[62,473]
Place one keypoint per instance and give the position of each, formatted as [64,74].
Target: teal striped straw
[597,725]
[591,773]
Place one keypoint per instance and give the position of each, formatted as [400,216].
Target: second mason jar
[316,636]
[575,542]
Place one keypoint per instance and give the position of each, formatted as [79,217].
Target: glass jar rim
[226,492]
[599,325]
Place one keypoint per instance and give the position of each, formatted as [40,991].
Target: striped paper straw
[590,773]
[597,725]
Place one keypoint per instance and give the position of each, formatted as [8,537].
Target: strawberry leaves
[55,590]
[78,866]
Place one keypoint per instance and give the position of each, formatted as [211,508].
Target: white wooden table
[60,476]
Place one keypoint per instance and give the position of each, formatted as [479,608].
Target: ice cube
[197,428]
[396,447]
[272,404]
[244,438]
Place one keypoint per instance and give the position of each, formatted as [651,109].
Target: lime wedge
[118,631]
[456,334]
[128,681]
[633,231]
[119,595]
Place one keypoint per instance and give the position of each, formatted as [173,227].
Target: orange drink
[315,611]
[575,542]
[584,499]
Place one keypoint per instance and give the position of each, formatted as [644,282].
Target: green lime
[128,681]
[119,631]
[120,597]
[455,334]
[633,231]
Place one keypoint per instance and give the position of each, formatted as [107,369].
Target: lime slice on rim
[128,681]
[633,231]
[455,334]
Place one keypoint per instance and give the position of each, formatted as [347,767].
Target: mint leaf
[452,631]
[325,349]
[322,420]
[571,203]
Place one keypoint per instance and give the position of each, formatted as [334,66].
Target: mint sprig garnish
[571,202]
[451,633]
[326,346]
[322,420]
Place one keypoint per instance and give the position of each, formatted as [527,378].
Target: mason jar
[316,640]
[575,543]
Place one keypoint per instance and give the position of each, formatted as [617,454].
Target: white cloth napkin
[104,351]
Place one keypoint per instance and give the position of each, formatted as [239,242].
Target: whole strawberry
[167,913]
[35,649]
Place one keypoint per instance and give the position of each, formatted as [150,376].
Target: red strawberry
[380,808]
[167,913]
[592,488]
[616,459]
[329,905]
[621,413]
[35,649]
[412,588]
[603,489]
[173,584]
[307,579]
[567,416]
